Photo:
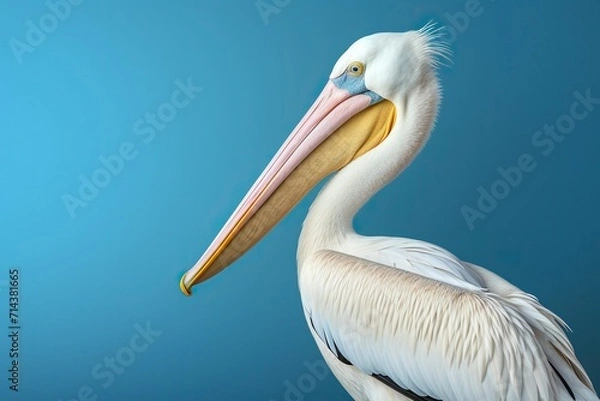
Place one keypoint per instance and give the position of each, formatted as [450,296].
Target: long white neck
[330,217]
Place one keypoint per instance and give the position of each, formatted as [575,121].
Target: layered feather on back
[436,326]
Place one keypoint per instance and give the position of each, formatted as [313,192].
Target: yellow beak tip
[186,291]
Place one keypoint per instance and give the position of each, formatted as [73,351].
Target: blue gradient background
[86,281]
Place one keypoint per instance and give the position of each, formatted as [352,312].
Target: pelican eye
[356,69]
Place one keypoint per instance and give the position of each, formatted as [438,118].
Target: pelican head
[398,62]
[363,102]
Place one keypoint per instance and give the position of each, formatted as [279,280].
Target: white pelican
[394,318]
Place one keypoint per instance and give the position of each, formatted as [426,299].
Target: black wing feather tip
[564,382]
[385,379]
[407,393]
[341,356]
[335,351]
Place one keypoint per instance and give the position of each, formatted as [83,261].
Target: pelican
[395,318]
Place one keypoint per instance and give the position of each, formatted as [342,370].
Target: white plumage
[409,310]
[394,318]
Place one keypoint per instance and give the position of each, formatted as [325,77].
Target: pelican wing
[417,257]
[437,340]
[549,331]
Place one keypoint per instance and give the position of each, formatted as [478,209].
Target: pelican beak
[338,128]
